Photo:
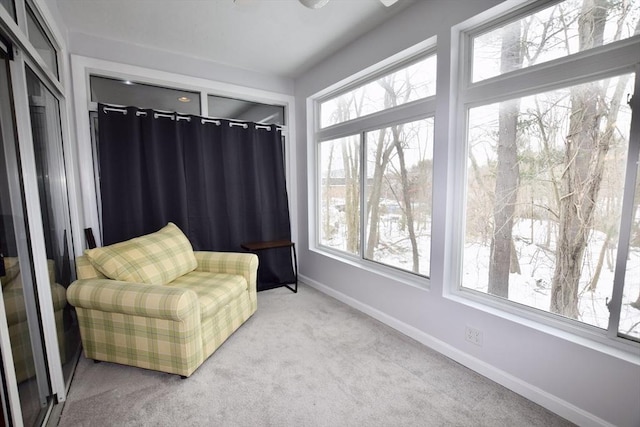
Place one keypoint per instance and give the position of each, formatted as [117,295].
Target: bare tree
[586,149]
[406,198]
[327,226]
[585,152]
[381,160]
[350,158]
[507,175]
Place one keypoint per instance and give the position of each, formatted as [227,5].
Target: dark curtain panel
[221,183]
[142,180]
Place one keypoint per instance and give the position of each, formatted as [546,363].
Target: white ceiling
[277,37]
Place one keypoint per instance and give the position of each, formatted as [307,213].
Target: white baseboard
[559,406]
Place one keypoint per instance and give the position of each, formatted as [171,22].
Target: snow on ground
[533,286]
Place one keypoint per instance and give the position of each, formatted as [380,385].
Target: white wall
[580,380]
[142,56]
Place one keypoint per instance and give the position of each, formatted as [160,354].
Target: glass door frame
[23,54]
[33,212]
[12,407]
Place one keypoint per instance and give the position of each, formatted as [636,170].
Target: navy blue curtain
[221,182]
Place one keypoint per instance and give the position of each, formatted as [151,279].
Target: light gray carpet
[302,360]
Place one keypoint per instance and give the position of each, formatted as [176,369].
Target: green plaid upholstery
[162,302]
[244,264]
[85,269]
[216,329]
[171,328]
[214,290]
[156,258]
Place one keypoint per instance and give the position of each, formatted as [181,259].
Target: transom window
[551,210]
[374,175]
[41,41]
[407,84]
[10,6]
[553,32]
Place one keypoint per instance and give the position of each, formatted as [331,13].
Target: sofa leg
[97,361]
[183,377]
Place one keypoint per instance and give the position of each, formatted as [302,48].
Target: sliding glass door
[39,334]
[20,323]
[46,129]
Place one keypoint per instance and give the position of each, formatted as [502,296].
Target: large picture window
[374,171]
[547,175]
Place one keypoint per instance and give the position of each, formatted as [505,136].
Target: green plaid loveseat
[154,303]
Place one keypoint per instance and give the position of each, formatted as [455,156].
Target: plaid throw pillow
[157,258]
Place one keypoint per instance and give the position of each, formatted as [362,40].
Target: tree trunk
[584,159]
[373,206]
[406,196]
[514,267]
[596,274]
[352,197]
[327,202]
[507,172]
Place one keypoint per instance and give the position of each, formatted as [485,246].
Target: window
[232,108]
[41,41]
[554,32]
[547,179]
[374,170]
[10,6]
[410,83]
[340,194]
[128,93]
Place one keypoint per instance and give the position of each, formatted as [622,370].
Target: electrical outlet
[473,335]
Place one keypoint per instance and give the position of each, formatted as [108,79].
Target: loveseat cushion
[156,258]
[214,290]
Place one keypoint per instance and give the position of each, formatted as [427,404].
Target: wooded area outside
[546,172]
[397,166]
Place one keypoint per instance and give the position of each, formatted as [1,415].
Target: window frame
[612,59]
[419,109]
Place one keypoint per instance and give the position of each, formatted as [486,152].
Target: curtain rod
[178,117]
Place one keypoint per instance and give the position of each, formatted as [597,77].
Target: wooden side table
[274,244]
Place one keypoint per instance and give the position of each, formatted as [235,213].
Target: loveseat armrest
[243,264]
[160,302]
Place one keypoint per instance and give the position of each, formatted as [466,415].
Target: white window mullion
[593,65]
[363,194]
[400,114]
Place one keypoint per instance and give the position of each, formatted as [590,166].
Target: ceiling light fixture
[314,4]
[184,99]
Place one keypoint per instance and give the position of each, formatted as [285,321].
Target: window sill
[575,332]
[405,278]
